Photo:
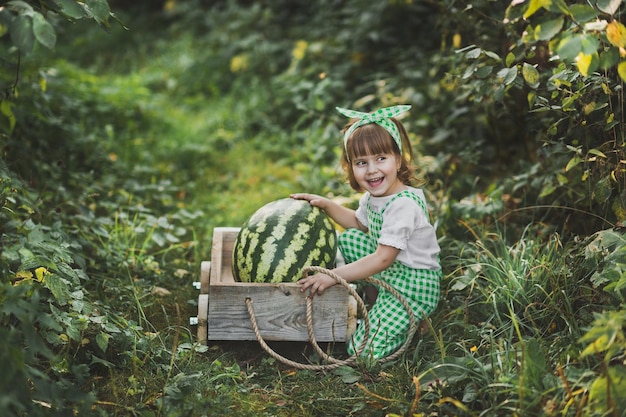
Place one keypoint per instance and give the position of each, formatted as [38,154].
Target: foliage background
[128,132]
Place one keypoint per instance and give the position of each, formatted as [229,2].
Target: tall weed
[527,283]
[513,341]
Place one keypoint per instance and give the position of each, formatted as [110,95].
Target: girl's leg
[389,320]
[355,244]
[389,324]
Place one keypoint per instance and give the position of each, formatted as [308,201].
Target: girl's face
[378,174]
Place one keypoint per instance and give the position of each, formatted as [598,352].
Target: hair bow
[381,117]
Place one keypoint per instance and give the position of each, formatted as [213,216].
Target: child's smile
[375,182]
[378,174]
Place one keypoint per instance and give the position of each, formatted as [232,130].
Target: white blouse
[405,227]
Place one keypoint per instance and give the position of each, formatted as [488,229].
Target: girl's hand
[316,283]
[343,216]
[313,199]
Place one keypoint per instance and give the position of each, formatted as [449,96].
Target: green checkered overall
[389,320]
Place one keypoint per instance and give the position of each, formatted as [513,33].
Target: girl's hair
[372,139]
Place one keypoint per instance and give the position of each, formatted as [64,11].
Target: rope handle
[335,363]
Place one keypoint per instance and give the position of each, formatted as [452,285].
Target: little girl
[389,236]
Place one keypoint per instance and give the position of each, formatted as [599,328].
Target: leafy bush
[561,62]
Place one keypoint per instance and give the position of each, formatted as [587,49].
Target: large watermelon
[281,238]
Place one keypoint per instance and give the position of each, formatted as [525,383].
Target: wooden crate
[280,309]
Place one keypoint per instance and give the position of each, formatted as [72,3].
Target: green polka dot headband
[382,117]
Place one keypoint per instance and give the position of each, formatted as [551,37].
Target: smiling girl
[389,235]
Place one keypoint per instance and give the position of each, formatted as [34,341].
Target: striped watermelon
[280,239]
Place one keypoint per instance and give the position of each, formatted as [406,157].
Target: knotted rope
[335,363]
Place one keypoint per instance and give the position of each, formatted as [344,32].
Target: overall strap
[408,193]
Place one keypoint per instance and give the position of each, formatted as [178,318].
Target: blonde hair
[372,139]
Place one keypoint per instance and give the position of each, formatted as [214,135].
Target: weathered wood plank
[280,311]
[205,271]
[222,254]
[203,307]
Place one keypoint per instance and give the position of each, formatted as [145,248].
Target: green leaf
[608,6]
[493,55]
[558,6]
[71,9]
[533,6]
[573,162]
[593,106]
[22,33]
[548,29]
[583,13]
[569,102]
[597,152]
[547,190]
[465,280]
[483,72]
[590,44]
[599,345]
[58,287]
[4,29]
[602,190]
[348,374]
[618,284]
[508,75]
[100,361]
[608,276]
[575,149]
[20,6]
[619,208]
[609,58]
[531,98]
[470,393]
[535,365]
[607,391]
[469,71]
[100,11]
[569,48]
[604,334]
[613,265]
[510,59]
[5,109]
[531,75]
[473,54]
[43,31]
[102,340]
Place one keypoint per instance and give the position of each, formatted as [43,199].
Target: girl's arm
[365,267]
[344,216]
